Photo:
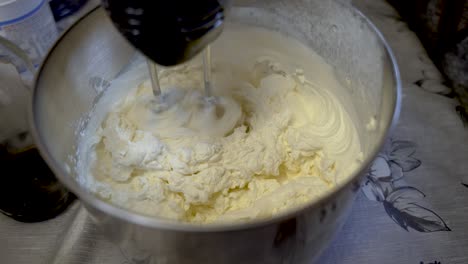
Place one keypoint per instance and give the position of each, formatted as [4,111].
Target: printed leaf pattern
[373,190]
[380,169]
[400,206]
[405,194]
[396,171]
[402,155]
[415,216]
[400,203]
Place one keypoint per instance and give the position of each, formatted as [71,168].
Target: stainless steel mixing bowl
[92,49]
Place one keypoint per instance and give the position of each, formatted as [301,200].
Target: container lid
[17,10]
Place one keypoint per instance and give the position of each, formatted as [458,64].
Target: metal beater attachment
[153,71]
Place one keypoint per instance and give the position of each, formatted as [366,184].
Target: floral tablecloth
[413,208]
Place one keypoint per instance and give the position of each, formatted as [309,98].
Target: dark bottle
[169,32]
[29,191]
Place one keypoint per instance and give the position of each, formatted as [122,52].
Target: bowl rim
[125,215]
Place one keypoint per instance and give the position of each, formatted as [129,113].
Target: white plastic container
[30,30]
[30,25]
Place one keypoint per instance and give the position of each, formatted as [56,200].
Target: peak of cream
[268,139]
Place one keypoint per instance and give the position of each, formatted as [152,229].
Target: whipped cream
[269,138]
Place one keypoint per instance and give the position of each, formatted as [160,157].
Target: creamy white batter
[269,139]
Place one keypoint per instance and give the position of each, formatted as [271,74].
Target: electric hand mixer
[169,32]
